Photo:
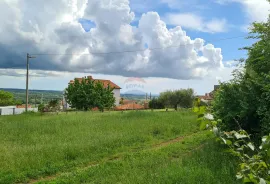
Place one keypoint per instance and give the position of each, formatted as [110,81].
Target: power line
[141,50]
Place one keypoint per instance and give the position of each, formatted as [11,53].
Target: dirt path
[166,143]
[118,157]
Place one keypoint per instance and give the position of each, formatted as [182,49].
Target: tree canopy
[183,98]
[88,94]
[245,101]
[156,103]
[7,98]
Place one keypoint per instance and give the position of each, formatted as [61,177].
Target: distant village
[121,101]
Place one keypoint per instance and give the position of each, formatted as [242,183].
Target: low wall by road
[13,110]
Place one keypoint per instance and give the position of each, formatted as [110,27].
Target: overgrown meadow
[110,147]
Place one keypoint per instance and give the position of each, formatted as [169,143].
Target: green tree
[165,98]
[6,98]
[183,98]
[88,94]
[81,95]
[104,96]
[109,97]
[245,101]
[156,103]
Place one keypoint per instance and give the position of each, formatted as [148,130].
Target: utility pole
[27,79]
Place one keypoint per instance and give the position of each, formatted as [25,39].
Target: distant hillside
[31,90]
[38,96]
[138,96]
[35,96]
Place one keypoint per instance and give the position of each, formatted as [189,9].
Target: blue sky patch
[207,10]
[87,24]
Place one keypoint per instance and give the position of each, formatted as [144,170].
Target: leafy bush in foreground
[254,166]
[246,98]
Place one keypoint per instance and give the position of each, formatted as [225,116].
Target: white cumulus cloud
[256,10]
[196,22]
[53,27]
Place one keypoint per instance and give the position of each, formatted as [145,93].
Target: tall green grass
[194,160]
[32,146]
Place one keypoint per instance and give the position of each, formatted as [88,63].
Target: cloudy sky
[172,44]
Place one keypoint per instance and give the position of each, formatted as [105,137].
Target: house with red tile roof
[131,106]
[209,96]
[103,81]
[116,88]
[206,97]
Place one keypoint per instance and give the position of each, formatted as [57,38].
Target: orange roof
[23,106]
[104,82]
[107,82]
[129,107]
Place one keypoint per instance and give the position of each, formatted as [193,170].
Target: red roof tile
[23,106]
[107,82]
[104,82]
[129,107]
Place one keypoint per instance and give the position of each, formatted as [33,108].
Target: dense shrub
[245,100]
[53,106]
[254,161]
[237,106]
[41,107]
[155,103]
[183,98]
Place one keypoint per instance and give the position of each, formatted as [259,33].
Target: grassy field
[111,147]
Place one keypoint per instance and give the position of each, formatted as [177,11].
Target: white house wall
[116,94]
[8,110]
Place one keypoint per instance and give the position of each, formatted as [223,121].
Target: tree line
[183,98]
